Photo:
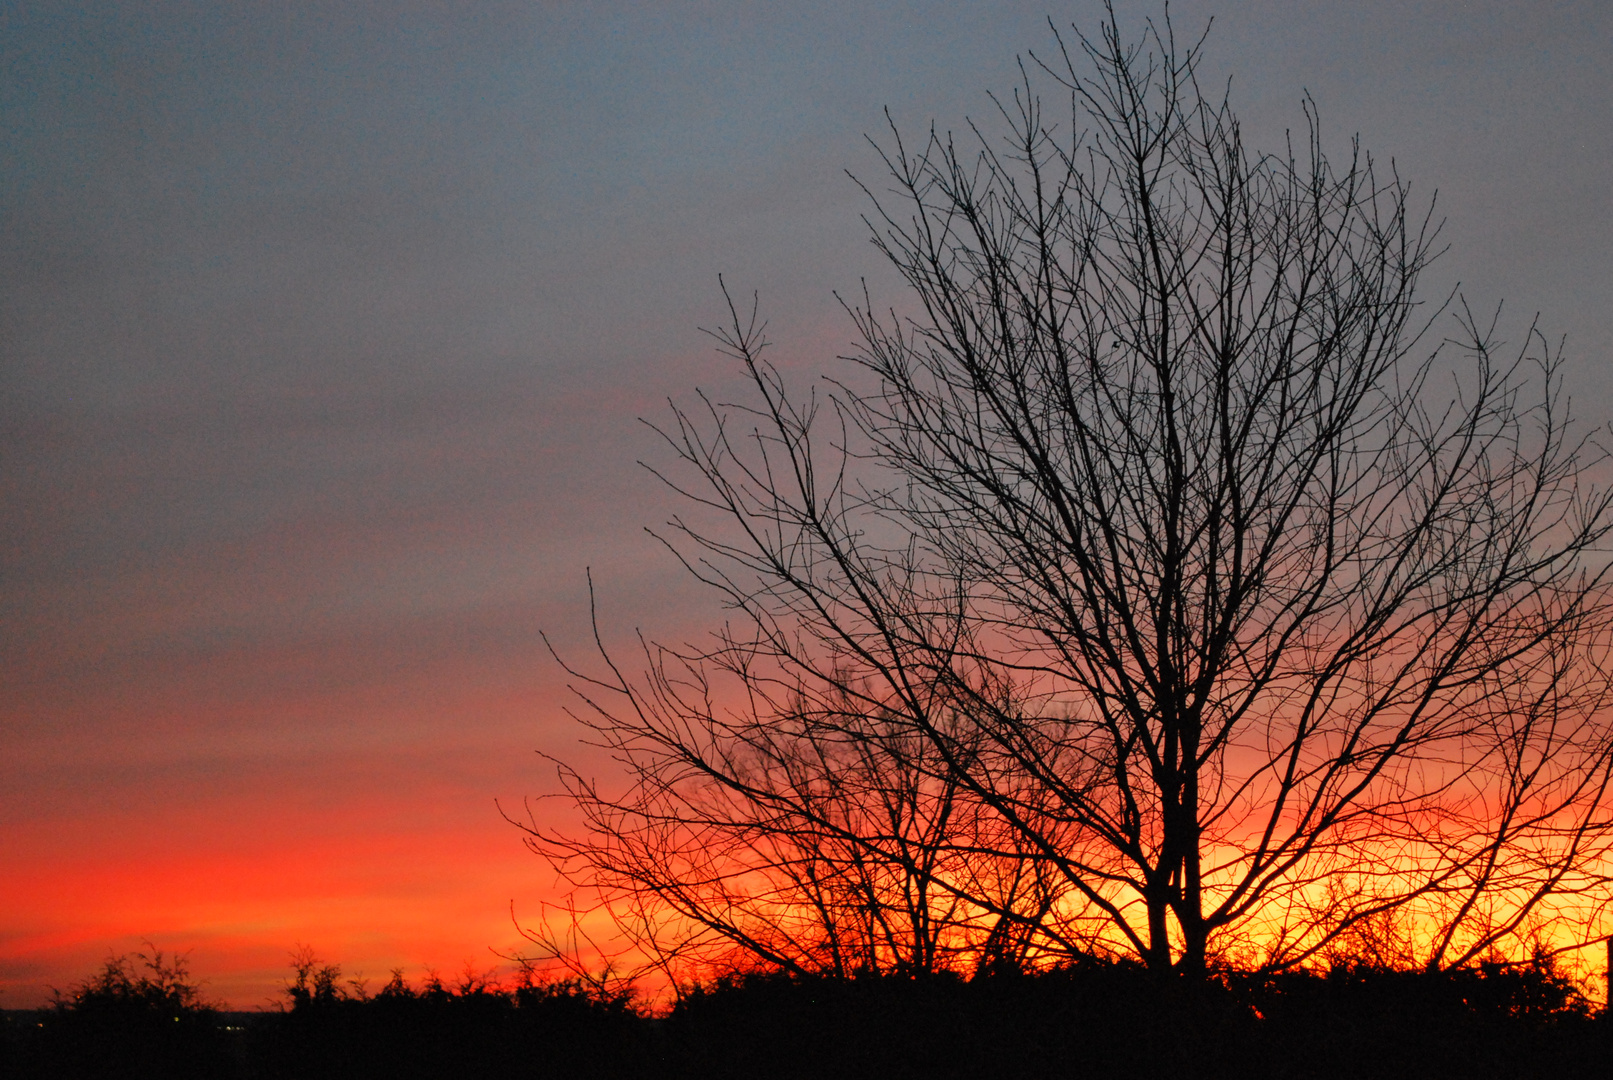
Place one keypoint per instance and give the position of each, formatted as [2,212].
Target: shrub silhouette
[471,1027]
[1092,1017]
[139,1016]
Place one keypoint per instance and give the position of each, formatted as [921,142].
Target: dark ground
[1093,1020]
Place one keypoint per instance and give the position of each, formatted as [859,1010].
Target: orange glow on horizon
[369,902]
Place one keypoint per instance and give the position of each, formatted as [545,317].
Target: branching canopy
[1155,583]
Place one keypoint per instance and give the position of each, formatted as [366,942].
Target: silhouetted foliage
[138,1017]
[1089,1017]
[1491,1019]
[472,1026]
[1106,1018]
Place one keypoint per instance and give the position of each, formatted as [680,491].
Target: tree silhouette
[139,1016]
[1156,585]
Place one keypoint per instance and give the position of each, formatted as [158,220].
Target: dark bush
[1099,1020]
[473,1027]
[1104,1019]
[1494,1019]
[1095,1018]
[138,1017]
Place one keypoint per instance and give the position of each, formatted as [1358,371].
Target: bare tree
[1185,604]
[818,841]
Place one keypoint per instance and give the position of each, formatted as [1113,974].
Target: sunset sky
[324,334]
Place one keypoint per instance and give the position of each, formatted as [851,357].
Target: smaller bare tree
[818,843]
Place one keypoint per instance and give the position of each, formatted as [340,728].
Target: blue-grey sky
[324,332]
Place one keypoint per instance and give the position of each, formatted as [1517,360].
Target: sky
[326,332]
